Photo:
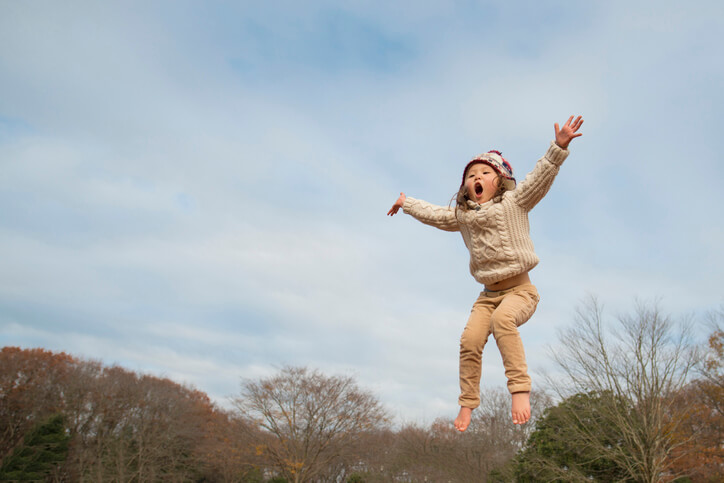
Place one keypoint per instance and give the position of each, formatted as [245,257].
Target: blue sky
[198,189]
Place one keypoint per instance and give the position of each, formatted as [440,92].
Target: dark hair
[461,197]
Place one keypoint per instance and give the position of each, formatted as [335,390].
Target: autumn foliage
[701,455]
[67,419]
[122,426]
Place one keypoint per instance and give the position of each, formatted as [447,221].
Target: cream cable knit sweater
[497,234]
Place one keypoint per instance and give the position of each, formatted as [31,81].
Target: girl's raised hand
[568,132]
[398,204]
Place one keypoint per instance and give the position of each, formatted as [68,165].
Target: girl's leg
[516,308]
[472,342]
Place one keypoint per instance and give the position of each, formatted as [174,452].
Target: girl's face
[481,182]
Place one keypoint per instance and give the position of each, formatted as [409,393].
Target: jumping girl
[491,213]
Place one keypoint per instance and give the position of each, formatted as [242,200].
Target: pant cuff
[469,403]
[513,388]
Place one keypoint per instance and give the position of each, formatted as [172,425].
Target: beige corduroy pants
[500,314]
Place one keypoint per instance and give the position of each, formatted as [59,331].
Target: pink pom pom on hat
[495,160]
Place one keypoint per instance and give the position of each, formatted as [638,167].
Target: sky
[198,190]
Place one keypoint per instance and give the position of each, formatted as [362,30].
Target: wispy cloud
[198,189]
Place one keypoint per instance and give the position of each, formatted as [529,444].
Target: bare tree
[493,438]
[632,370]
[442,453]
[228,450]
[314,420]
[133,427]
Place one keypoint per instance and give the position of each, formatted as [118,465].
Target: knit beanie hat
[495,160]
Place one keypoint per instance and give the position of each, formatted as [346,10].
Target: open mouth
[478,189]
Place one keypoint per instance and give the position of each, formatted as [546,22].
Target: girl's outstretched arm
[398,204]
[568,132]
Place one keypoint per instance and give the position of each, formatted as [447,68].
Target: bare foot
[521,407]
[463,420]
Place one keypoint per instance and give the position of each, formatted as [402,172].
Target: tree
[42,454]
[312,421]
[121,426]
[631,373]
[555,451]
[701,456]
[230,450]
[442,453]
[137,427]
[31,383]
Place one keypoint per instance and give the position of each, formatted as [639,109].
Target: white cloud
[204,195]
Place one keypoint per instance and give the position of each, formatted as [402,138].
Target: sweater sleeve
[441,217]
[537,183]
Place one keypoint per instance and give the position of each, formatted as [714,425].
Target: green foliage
[43,451]
[278,479]
[560,448]
[253,475]
[355,478]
